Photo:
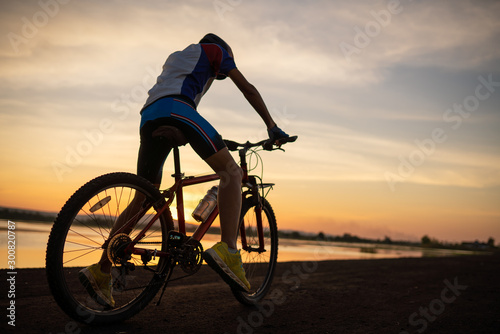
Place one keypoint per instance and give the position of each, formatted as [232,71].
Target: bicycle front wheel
[259,253]
[78,240]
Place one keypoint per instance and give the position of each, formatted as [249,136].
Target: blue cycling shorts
[177,112]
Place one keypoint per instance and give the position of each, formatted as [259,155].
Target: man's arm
[252,95]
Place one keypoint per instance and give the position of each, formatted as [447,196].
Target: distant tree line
[17,214]
[346,237]
[426,241]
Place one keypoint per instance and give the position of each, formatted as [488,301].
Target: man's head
[213,38]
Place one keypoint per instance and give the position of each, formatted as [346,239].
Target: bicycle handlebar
[266,144]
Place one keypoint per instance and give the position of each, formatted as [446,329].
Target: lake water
[31,242]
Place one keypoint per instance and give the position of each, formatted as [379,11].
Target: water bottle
[206,205]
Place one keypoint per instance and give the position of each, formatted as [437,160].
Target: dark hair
[213,38]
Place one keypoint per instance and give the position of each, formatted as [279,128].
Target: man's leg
[229,196]
[224,257]
[152,155]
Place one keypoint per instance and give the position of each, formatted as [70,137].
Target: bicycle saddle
[171,134]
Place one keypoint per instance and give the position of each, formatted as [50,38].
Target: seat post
[177,163]
[178,192]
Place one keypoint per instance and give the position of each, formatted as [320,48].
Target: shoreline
[31,246]
[302,237]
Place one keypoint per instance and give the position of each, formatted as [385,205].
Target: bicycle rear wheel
[77,238]
[260,264]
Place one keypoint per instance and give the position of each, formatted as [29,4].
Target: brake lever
[268,145]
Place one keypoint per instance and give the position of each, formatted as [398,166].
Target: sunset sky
[396,105]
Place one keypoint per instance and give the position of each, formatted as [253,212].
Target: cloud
[90,58]
[426,33]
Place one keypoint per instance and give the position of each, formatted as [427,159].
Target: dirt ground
[416,295]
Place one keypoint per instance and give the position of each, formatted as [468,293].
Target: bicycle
[147,248]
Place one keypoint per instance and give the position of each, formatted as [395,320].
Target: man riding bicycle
[173,101]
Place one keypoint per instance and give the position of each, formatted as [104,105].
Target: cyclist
[173,101]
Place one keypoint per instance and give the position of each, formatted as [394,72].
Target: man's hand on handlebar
[277,137]
[275,133]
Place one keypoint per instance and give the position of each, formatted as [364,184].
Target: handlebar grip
[290,139]
[268,145]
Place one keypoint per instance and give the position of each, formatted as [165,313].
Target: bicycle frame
[177,191]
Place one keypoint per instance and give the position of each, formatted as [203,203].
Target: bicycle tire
[76,240]
[259,266]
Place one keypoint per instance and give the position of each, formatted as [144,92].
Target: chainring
[191,259]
